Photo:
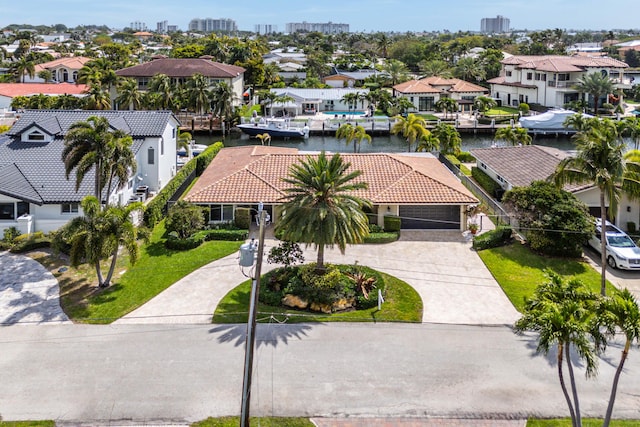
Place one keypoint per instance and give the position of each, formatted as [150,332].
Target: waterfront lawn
[501,111]
[263,422]
[519,271]
[157,269]
[402,304]
[586,422]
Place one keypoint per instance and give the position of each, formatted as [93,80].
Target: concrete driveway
[620,278]
[28,292]
[454,284]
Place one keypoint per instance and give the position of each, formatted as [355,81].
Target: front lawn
[501,111]
[156,270]
[519,271]
[402,304]
[263,422]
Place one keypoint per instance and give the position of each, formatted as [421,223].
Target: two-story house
[63,70]
[35,194]
[424,93]
[549,80]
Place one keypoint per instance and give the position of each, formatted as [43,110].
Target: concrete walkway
[454,284]
[28,292]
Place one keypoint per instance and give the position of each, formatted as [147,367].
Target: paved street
[189,372]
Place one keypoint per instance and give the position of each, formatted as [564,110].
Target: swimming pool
[344,113]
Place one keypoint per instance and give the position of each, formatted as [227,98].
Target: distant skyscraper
[265,29]
[161,27]
[499,24]
[209,25]
[138,26]
[324,28]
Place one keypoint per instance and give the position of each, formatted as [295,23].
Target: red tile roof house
[415,186]
[8,91]
[64,70]
[549,80]
[520,166]
[424,93]
[180,70]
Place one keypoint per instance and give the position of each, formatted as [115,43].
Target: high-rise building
[209,25]
[138,26]
[265,29]
[161,27]
[499,24]
[324,28]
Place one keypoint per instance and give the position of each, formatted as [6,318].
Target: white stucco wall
[158,174]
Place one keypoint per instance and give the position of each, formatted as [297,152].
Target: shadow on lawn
[524,256]
[266,334]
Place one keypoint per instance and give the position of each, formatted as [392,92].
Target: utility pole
[251,327]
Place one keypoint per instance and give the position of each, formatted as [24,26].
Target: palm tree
[448,137]
[97,98]
[631,127]
[353,133]
[161,85]
[46,75]
[484,103]
[435,68]
[428,142]
[620,312]
[128,94]
[561,312]
[122,161]
[98,235]
[446,104]
[600,161]
[320,206]
[222,96]
[351,99]
[184,141]
[397,71]
[401,105]
[412,128]
[23,66]
[199,95]
[596,85]
[264,138]
[468,68]
[576,122]
[514,135]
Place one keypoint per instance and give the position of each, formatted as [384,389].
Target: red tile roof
[563,64]
[254,173]
[73,63]
[438,85]
[27,89]
[178,67]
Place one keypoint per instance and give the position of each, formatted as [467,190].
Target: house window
[69,208]
[142,83]
[508,73]
[151,156]
[529,76]
[563,77]
[173,133]
[425,103]
[23,208]
[221,213]
[162,146]
[483,166]
[7,211]
[36,136]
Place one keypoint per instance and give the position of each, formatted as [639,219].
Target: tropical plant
[22,67]
[353,133]
[97,98]
[184,142]
[449,139]
[400,105]
[46,75]
[484,103]
[351,99]
[128,94]
[320,206]
[428,142]
[514,135]
[600,161]
[562,313]
[468,68]
[411,128]
[397,71]
[98,235]
[160,84]
[446,104]
[435,68]
[595,84]
[199,95]
[184,219]
[264,138]
[577,122]
[630,127]
[222,97]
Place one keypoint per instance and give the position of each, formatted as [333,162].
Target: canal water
[389,144]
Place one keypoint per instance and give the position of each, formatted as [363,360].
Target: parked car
[622,251]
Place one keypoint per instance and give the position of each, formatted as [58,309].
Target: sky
[361,15]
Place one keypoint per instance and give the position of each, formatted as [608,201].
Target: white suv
[622,252]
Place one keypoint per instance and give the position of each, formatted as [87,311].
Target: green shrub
[185,219]
[379,238]
[176,244]
[375,228]
[466,157]
[223,234]
[34,242]
[454,160]
[524,107]
[25,237]
[392,223]
[286,253]
[242,218]
[10,234]
[486,182]
[492,239]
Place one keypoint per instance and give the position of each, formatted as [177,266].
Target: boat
[275,128]
[552,120]
[194,149]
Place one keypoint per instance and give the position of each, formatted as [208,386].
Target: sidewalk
[414,422]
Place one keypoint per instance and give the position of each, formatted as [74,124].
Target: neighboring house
[281,55]
[426,92]
[34,192]
[290,71]
[415,186]
[180,70]
[520,166]
[349,78]
[64,70]
[549,80]
[310,101]
[8,91]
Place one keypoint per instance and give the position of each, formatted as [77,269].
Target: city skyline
[369,16]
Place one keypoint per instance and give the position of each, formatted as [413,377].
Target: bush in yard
[177,244]
[392,223]
[554,221]
[233,235]
[492,239]
[242,218]
[28,242]
[184,219]
[466,157]
[10,234]
[287,254]
[382,237]
[485,181]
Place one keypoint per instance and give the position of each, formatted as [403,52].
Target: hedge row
[155,210]
[30,244]
[381,237]
[392,223]
[200,237]
[485,181]
[492,239]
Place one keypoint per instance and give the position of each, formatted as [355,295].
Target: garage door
[430,217]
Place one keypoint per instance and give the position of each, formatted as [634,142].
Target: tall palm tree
[620,313]
[484,103]
[446,104]
[448,137]
[321,206]
[600,161]
[199,95]
[428,142]
[514,135]
[561,312]
[22,67]
[184,141]
[122,162]
[353,133]
[161,85]
[97,98]
[468,68]
[397,70]
[128,94]
[351,99]
[631,128]
[435,68]
[99,234]
[596,85]
[222,97]
[412,128]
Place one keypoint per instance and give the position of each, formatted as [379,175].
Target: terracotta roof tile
[557,63]
[253,174]
[178,67]
[27,89]
[73,62]
[438,85]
